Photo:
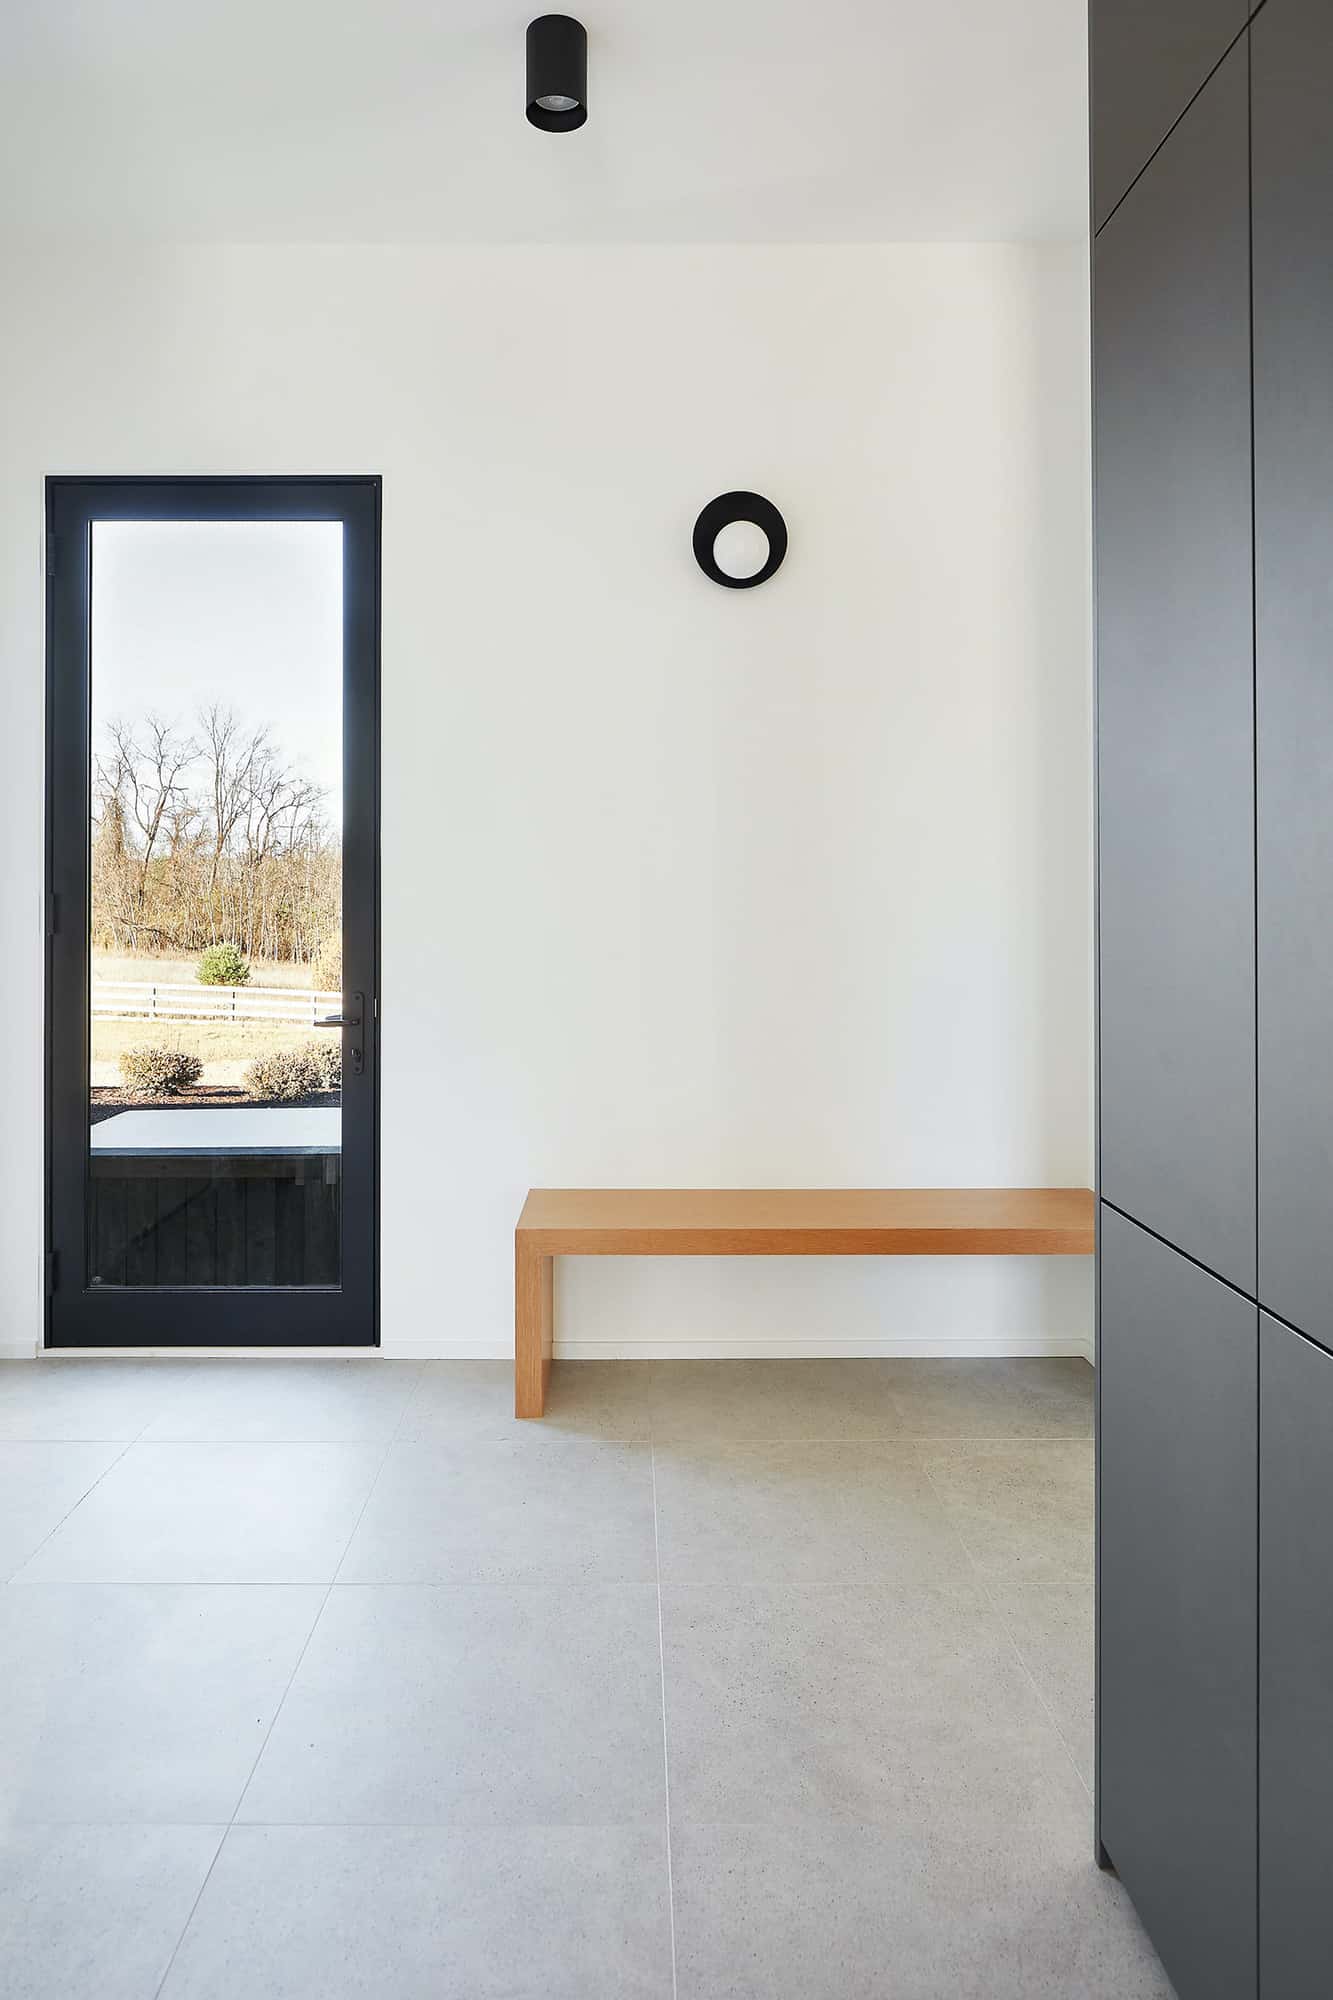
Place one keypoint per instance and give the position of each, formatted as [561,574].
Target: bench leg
[533,1327]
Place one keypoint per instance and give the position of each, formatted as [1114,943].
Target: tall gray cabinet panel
[1175,688]
[1177,1610]
[1295,1666]
[1293,466]
[1148,58]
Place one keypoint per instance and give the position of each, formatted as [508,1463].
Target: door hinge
[52,913]
[50,555]
[52,1271]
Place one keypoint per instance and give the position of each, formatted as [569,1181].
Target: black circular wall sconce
[557,73]
[740,540]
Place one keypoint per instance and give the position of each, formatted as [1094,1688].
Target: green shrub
[159,1072]
[222,965]
[285,1074]
[328,1061]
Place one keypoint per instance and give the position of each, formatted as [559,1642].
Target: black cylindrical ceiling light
[557,73]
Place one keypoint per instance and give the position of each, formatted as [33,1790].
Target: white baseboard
[450,1350]
[903,1347]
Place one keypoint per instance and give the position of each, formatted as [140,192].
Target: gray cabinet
[1176,689]
[1147,59]
[1295,1666]
[1177,1607]
[1215,817]
[1293,468]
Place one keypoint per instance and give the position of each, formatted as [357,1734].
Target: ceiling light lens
[555,102]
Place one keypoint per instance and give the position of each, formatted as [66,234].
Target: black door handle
[356,1054]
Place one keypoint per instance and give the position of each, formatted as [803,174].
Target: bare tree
[209,837]
[232,757]
[146,777]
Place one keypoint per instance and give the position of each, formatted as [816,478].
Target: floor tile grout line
[761,1438]
[1020,1656]
[852,1580]
[142,1434]
[548,1583]
[263,1443]
[666,1747]
[510,1436]
[20,1438]
[496,1826]
[389,1444]
[988,1592]
[240,1796]
[199,1895]
[32,1554]
[278,1708]
[957,1533]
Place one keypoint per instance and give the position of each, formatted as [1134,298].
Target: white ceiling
[402,120]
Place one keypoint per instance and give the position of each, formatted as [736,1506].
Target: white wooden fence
[154,1000]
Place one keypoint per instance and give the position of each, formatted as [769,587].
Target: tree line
[208,835]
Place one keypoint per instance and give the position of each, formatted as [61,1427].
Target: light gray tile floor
[1051,1626]
[728,1679]
[214,1513]
[39,1485]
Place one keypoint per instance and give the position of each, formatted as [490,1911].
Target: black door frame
[79,1315]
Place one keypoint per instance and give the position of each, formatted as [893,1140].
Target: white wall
[782,887]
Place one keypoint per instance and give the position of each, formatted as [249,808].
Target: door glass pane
[214,1098]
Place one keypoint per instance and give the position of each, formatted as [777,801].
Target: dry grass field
[224,1047]
[180,971]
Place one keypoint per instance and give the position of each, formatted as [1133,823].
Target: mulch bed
[105,1100]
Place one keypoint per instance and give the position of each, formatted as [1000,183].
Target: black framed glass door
[213,832]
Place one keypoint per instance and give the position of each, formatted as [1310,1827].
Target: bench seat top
[813,1222]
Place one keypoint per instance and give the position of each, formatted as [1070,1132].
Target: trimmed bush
[222,965]
[159,1072]
[285,1074]
[328,1060]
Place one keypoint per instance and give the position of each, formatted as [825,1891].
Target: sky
[245,613]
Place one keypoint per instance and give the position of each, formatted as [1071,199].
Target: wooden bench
[770,1222]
